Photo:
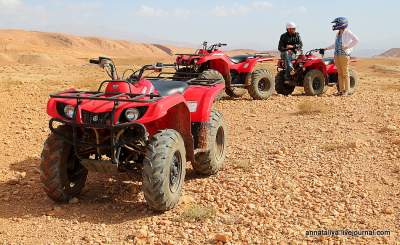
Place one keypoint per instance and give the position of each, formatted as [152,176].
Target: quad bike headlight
[69,111]
[132,114]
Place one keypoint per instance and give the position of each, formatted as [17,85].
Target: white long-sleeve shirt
[349,41]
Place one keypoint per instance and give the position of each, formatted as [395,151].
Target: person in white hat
[289,43]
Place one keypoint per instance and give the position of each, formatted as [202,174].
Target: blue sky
[242,24]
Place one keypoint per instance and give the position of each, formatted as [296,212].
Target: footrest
[99,166]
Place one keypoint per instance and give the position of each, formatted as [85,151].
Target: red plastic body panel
[156,111]
[219,61]
[204,97]
[222,63]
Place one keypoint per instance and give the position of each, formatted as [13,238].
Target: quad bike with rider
[238,72]
[312,72]
[133,124]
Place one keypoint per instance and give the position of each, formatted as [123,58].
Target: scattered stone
[388,210]
[222,238]
[73,200]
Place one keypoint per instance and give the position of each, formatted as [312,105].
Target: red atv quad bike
[311,72]
[238,72]
[134,124]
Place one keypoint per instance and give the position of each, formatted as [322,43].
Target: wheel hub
[220,143]
[175,172]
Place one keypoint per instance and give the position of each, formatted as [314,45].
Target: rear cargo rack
[192,54]
[189,78]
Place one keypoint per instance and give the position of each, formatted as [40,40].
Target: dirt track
[286,171]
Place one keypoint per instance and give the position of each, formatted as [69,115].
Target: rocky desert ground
[294,164]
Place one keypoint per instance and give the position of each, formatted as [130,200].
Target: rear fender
[177,118]
[217,62]
[316,64]
[201,99]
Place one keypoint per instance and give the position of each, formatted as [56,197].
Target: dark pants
[287,57]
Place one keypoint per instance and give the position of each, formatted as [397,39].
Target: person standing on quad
[344,43]
[289,43]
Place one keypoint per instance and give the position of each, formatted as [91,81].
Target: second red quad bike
[311,72]
[238,72]
[133,124]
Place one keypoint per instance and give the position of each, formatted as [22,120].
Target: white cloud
[297,10]
[148,11]
[262,5]
[10,4]
[240,9]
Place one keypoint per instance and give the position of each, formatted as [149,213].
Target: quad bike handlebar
[321,51]
[213,46]
[108,65]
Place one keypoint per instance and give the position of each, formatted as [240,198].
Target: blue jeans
[287,57]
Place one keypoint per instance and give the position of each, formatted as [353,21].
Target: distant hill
[34,47]
[44,47]
[394,52]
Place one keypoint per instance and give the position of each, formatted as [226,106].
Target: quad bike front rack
[117,98]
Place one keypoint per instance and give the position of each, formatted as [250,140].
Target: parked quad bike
[311,72]
[238,72]
[150,125]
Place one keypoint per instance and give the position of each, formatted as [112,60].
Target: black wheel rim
[352,82]
[175,172]
[219,143]
[316,84]
[74,173]
[263,85]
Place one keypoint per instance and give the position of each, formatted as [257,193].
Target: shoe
[345,94]
[338,94]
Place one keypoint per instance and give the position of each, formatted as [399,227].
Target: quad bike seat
[167,87]
[328,61]
[240,58]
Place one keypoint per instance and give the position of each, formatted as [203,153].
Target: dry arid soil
[294,164]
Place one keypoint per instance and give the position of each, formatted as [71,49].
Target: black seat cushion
[167,87]
[328,61]
[240,58]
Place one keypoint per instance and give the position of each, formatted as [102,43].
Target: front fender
[204,98]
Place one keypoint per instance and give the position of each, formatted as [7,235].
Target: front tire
[164,170]
[62,175]
[280,86]
[261,87]
[211,161]
[314,82]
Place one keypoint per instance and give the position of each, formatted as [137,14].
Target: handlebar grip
[94,61]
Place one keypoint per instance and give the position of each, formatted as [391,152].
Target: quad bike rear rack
[185,75]
[191,54]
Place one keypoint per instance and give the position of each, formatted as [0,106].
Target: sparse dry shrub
[198,213]
[309,107]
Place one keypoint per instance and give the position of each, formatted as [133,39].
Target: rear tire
[280,86]
[210,162]
[314,82]
[62,175]
[213,74]
[184,77]
[262,86]
[353,82]
[164,170]
[235,92]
